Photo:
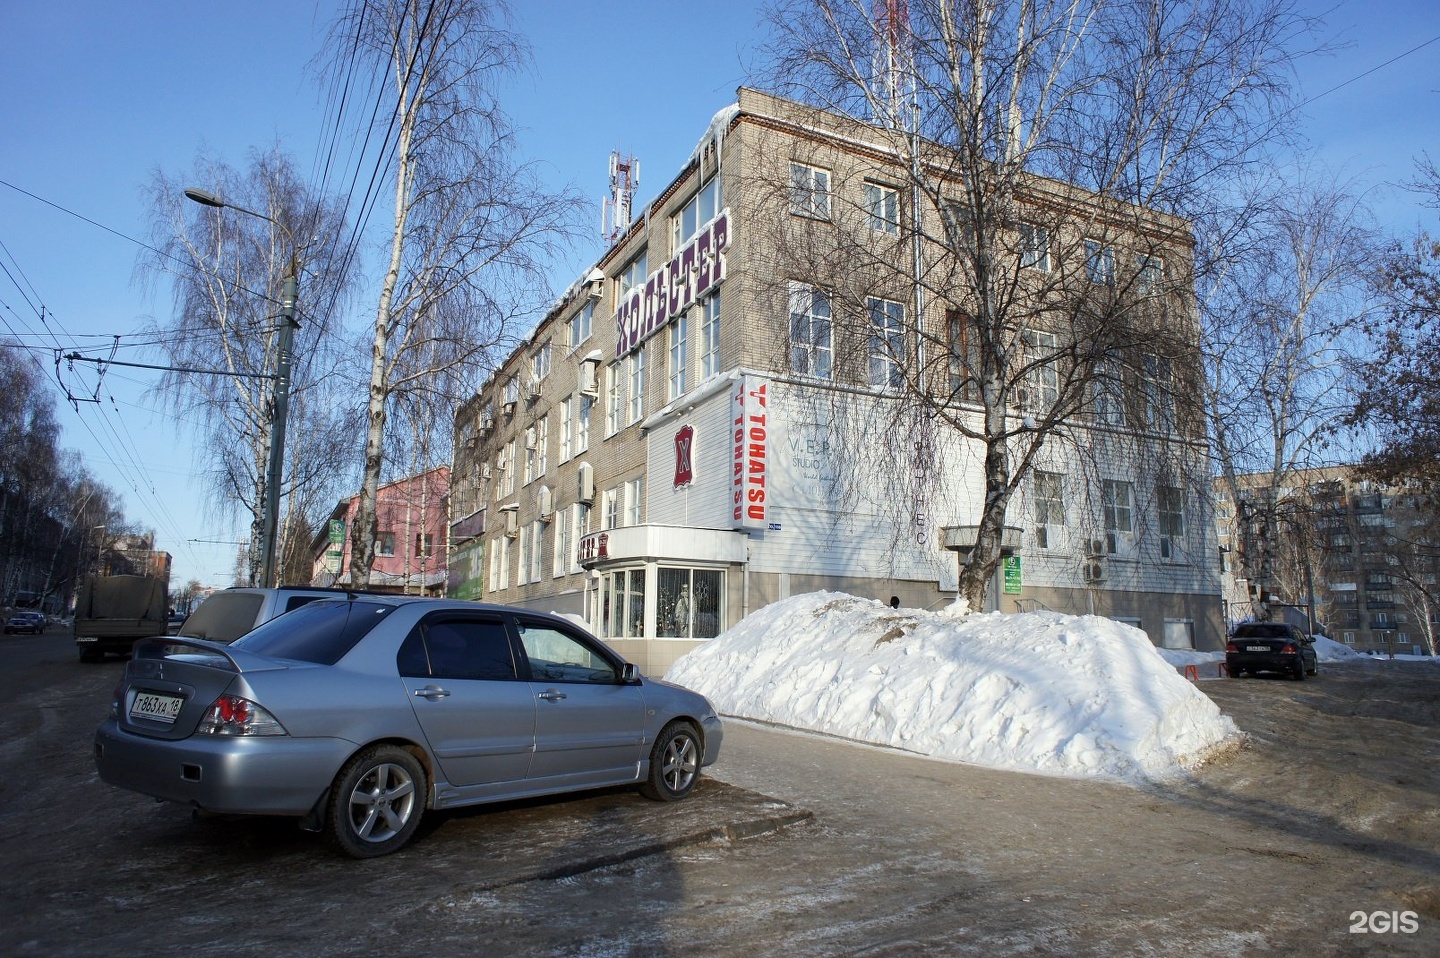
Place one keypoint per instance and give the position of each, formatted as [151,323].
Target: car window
[321,632]
[458,648]
[224,617]
[557,656]
[296,601]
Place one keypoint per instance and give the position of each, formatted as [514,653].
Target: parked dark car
[1257,647]
[357,715]
[30,622]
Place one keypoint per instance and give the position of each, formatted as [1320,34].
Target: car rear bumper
[1262,661]
[262,775]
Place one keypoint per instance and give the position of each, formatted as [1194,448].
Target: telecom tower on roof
[616,210]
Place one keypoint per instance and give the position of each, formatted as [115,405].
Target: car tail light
[232,715]
[1231,647]
[1288,649]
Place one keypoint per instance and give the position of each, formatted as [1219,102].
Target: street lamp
[280,402]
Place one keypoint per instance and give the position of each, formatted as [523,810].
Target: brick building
[690,433]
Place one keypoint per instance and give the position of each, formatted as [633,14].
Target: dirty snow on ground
[1039,692]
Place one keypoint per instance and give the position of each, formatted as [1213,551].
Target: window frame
[885,363]
[819,360]
[882,207]
[809,191]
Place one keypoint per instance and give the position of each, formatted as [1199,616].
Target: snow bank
[1038,692]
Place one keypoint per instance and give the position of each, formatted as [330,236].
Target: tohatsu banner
[750,442]
[673,288]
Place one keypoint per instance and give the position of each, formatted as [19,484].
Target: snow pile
[1038,692]
[1328,650]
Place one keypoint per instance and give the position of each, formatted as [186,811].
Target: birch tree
[227,269]
[1057,133]
[1283,311]
[471,228]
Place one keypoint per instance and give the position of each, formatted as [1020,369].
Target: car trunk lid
[170,683]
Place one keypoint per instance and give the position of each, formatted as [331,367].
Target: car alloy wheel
[674,763]
[377,801]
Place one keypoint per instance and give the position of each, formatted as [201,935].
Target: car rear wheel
[1299,672]
[674,763]
[376,802]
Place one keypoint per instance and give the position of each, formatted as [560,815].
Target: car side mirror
[629,674]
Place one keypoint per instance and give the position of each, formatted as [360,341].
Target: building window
[1049,509]
[635,407]
[507,469]
[623,604]
[500,564]
[609,509]
[567,428]
[701,209]
[1109,389]
[1040,382]
[564,558]
[809,191]
[811,352]
[632,275]
[635,501]
[542,446]
[580,326]
[964,357]
[582,424]
[512,391]
[1150,273]
[424,547]
[1171,503]
[1117,498]
[1034,247]
[710,337]
[521,574]
[679,355]
[882,204]
[541,362]
[688,603]
[385,544]
[536,529]
[1099,263]
[614,387]
[959,226]
[887,343]
[1159,393]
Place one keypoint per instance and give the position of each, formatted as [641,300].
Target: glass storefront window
[688,604]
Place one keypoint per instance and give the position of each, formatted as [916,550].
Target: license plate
[155,707]
[1257,648]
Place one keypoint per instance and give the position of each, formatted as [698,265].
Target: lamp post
[280,400]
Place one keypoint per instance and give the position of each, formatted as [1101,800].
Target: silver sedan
[357,715]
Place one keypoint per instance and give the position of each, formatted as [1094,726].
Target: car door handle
[551,695]
[432,692]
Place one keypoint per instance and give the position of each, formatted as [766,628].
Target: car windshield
[320,632]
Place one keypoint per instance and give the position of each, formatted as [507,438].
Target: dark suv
[1270,647]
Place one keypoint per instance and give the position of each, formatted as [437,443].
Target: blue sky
[99,94]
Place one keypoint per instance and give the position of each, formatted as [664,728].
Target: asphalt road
[1319,837]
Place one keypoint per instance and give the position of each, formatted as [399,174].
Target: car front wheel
[674,763]
[376,802]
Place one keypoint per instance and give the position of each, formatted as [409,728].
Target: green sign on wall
[1012,575]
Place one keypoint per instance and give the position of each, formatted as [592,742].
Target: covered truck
[113,611]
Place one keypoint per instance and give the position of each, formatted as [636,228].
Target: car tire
[674,763]
[1234,673]
[377,802]
[1299,672]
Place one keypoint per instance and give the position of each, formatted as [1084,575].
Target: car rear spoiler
[216,655]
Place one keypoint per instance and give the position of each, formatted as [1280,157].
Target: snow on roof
[1040,692]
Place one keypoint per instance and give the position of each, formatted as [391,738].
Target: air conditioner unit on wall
[512,524]
[586,483]
[545,503]
[485,471]
[1094,547]
[1093,571]
[589,378]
